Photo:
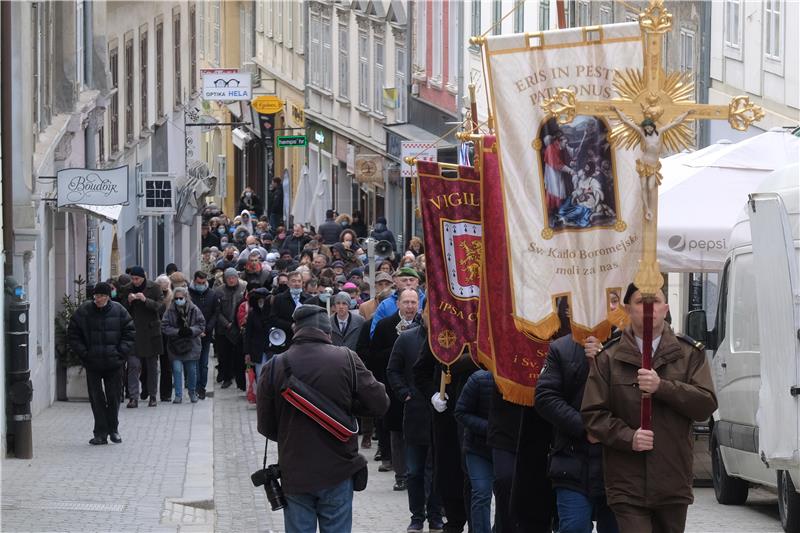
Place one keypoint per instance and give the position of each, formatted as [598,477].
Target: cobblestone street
[160,478]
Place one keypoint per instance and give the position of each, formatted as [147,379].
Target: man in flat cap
[317,469]
[648,473]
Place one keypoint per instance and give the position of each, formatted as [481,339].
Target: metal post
[20,388]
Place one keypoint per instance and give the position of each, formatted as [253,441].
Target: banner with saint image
[571,203]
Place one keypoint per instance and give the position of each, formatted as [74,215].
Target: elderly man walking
[102,334]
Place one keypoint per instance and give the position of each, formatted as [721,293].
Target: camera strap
[266,443]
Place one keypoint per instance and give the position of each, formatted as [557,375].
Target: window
[400,82]
[363,69]
[289,34]
[101,144]
[743,294]
[476,18]
[453,48]
[606,15]
[270,15]
[315,49]
[246,33]
[631,17]
[215,25]
[201,31]
[327,51]
[733,23]
[437,44]
[159,69]
[143,77]
[344,62]
[497,14]
[773,29]
[377,101]
[192,49]
[113,106]
[519,17]
[43,53]
[176,40]
[420,44]
[129,89]
[687,50]
[298,4]
[279,21]
[544,15]
[79,59]
[584,14]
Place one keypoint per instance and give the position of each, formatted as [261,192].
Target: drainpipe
[5,102]
[90,154]
[704,74]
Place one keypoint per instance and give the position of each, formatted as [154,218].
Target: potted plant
[71,376]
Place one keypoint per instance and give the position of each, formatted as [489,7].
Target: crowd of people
[264,294]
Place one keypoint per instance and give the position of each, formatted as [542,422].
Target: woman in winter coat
[182,325]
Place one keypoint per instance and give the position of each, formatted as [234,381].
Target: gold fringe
[602,332]
[516,393]
[542,330]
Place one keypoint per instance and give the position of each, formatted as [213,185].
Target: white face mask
[180,301]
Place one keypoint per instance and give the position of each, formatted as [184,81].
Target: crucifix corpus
[653,110]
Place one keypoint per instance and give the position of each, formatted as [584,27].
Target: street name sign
[288,141]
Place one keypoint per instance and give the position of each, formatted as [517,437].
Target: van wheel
[728,490]
[788,503]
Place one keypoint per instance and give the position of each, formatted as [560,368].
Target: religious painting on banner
[451,220]
[571,205]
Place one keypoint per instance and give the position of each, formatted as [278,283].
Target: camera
[269,477]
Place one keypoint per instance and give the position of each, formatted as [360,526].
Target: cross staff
[662,104]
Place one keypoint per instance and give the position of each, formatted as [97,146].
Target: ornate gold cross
[662,104]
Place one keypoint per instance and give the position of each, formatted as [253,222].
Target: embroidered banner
[570,203]
[451,220]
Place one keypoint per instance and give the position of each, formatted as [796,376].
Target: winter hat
[231,272]
[357,272]
[339,264]
[407,271]
[340,279]
[137,271]
[629,292]
[383,276]
[102,288]
[341,297]
[349,287]
[312,316]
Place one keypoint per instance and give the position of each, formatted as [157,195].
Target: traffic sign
[267,104]
[287,141]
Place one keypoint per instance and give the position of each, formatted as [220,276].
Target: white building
[755,51]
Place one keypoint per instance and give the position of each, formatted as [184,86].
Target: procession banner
[514,356]
[451,217]
[570,203]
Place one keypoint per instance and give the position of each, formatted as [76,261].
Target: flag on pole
[451,220]
[570,204]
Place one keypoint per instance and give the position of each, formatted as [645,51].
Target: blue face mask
[200,288]
[353,303]
[221,230]
[113,293]
[363,258]
[295,292]
[180,301]
[324,297]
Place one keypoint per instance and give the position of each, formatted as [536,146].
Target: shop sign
[226,84]
[369,169]
[83,186]
[298,115]
[422,151]
[267,104]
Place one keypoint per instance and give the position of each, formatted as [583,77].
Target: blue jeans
[331,507]
[202,364]
[420,486]
[191,376]
[481,477]
[575,511]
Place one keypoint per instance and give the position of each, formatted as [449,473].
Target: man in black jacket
[329,230]
[102,334]
[317,468]
[207,301]
[283,307]
[295,242]
[416,429]
[576,459]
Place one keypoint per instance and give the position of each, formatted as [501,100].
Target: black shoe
[399,485]
[95,441]
[115,438]
[385,467]
[152,402]
[201,393]
[378,455]
[143,396]
[133,404]
[227,383]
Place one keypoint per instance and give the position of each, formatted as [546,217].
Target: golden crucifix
[662,104]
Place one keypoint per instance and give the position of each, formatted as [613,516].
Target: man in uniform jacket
[283,307]
[143,300]
[102,335]
[416,429]
[226,335]
[345,323]
[317,468]
[576,462]
[648,474]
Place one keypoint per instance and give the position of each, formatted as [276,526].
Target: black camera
[269,477]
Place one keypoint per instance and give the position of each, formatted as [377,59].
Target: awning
[106,213]
[410,132]
[240,137]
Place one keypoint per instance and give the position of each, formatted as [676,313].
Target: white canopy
[703,193]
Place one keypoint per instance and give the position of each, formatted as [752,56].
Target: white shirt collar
[640,343]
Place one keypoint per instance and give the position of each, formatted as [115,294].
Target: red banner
[451,216]
[515,359]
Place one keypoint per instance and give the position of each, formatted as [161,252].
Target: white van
[755,435]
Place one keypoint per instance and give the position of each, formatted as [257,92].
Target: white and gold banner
[573,212]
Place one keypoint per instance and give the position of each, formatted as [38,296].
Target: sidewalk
[160,478]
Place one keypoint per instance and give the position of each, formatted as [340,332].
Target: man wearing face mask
[345,323]
[208,302]
[228,258]
[284,304]
[102,334]
[252,246]
[226,333]
[250,202]
[255,343]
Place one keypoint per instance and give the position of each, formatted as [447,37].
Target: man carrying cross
[648,474]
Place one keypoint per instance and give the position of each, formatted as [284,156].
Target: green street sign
[287,141]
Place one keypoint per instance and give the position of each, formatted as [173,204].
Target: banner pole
[646,419]
[444,381]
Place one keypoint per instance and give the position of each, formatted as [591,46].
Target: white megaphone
[277,337]
[328,292]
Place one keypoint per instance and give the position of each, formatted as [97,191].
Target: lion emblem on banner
[463,253]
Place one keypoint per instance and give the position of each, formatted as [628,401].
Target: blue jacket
[472,412]
[388,307]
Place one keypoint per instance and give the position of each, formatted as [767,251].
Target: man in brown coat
[648,474]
